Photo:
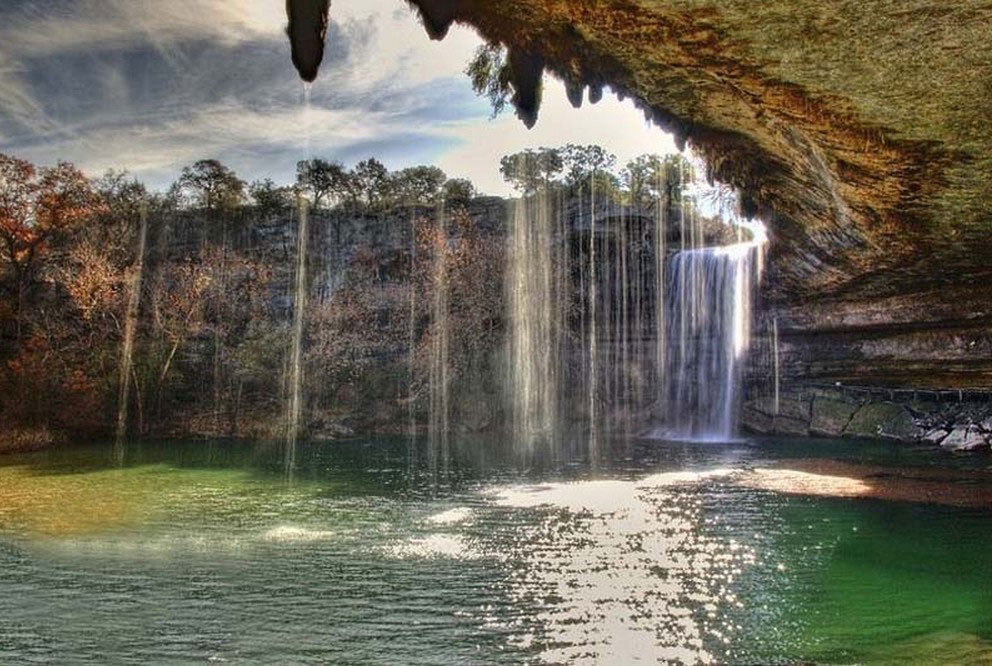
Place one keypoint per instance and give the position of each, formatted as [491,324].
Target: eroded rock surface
[862,132]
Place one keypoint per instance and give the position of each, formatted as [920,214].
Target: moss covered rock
[830,416]
[883,420]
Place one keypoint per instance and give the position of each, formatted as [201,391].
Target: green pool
[766,551]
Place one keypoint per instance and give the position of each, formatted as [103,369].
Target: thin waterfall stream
[294,407]
[130,327]
[439,408]
[295,401]
[534,342]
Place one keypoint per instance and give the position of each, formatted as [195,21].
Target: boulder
[788,407]
[935,436]
[331,429]
[830,416]
[883,420]
[986,424]
[965,438]
[755,420]
[786,425]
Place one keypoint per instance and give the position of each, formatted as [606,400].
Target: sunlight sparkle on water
[621,567]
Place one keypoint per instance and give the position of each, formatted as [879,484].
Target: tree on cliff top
[324,181]
[270,198]
[371,181]
[417,185]
[529,170]
[459,190]
[210,185]
[648,177]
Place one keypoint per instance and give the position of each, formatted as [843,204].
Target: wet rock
[385,412]
[338,430]
[794,408]
[437,16]
[785,425]
[830,416]
[307,31]
[755,420]
[595,93]
[788,407]
[476,415]
[526,72]
[789,417]
[935,436]
[883,420]
[924,408]
[965,438]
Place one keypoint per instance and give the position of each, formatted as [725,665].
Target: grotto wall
[861,132]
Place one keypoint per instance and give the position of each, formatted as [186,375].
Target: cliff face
[861,132]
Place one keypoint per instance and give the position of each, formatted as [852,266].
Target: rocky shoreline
[964,424]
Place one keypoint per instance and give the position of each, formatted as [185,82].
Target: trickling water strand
[412,337]
[439,416]
[533,323]
[562,302]
[307,118]
[660,249]
[130,326]
[775,360]
[295,404]
[604,335]
[593,351]
[626,367]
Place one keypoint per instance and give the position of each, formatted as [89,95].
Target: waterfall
[708,308]
[534,323]
[640,331]
[130,326]
[775,362]
[294,406]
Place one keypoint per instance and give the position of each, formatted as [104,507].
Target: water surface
[769,551]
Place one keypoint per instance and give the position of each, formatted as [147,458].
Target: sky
[150,86]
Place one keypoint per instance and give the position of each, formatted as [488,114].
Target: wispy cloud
[35,29]
[18,107]
[152,85]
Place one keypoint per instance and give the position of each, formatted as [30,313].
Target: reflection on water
[805,483]
[434,545]
[286,533]
[623,570]
[674,554]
